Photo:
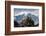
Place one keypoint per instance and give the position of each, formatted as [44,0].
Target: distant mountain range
[20,17]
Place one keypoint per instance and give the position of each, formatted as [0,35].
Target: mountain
[23,16]
[34,18]
[19,17]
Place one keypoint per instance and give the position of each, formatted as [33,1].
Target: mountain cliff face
[21,17]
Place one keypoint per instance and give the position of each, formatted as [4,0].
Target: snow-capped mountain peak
[25,13]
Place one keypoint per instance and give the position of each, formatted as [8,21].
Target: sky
[19,11]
